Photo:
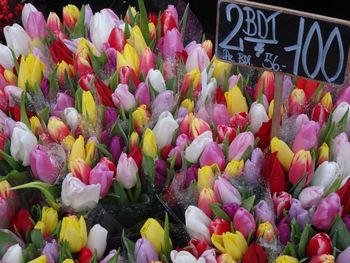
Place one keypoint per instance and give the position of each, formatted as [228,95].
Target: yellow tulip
[68,142]
[68,260]
[234,168]
[35,125]
[90,151]
[61,69]
[129,58]
[78,151]
[31,70]
[149,146]
[154,233]
[10,77]
[225,258]
[134,139]
[233,244]
[88,106]
[206,178]
[284,153]
[5,189]
[266,233]
[50,219]
[327,102]
[74,232]
[323,153]
[83,48]
[41,259]
[221,69]
[141,118]
[70,15]
[152,30]
[188,104]
[136,40]
[40,226]
[286,259]
[235,100]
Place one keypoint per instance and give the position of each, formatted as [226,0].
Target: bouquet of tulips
[119,142]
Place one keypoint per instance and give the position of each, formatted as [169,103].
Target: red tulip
[302,164]
[168,21]
[309,87]
[268,80]
[198,246]
[117,39]
[323,259]
[281,201]
[319,114]
[344,194]
[125,74]
[239,120]
[60,52]
[85,255]
[136,154]
[272,170]
[264,134]
[205,200]
[224,131]
[297,102]
[104,92]
[219,226]
[254,254]
[22,222]
[319,244]
[220,96]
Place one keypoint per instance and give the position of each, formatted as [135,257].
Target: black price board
[283,40]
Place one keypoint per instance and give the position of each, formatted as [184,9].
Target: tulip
[266,234]
[308,86]
[197,58]
[58,130]
[36,25]
[156,80]
[266,82]
[60,52]
[225,258]
[72,118]
[79,152]
[192,79]
[302,164]
[13,254]
[307,137]
[233,244]
[127,171]
[234,169]
[149,146]
[344,256]
[23,142]
[130,58]
[244,222]
[341,149]
[6,59]
[220,115]
[206,177]
[319,114]
[235,100]
[100,29]
[49,220]
[41,259]
[117,39]
[340,112]
[88,106]
[165,101]
[63,101]
[326,211]
[197,223]
[284,231]
[165,129]
[97,240]
[136,40]
[51,251]
[7,200]
[73,231]
[22,222]
[70,16]
[142,94]
[263,212]
[219,226]
[319,244]
[63,70]
[195,149]
[242,143]
[17,39]
[323,154]
[102,174]
[281,201]
[54,23]
[343,97]
[123,98]
[326,174]
[68,260]
[212,154]
[171,44]
[205,200]
[30,70]
[224,131]
[252,168]
[112,254]
[323,259]
[297,212]
[193,126]
[257,116]
[311,196]
[85,255]
[144,251]
[297,102]
[286,259]
[78,195]
[191,175]
[169,19]
[147,61]
[284,153]
[140,117]
[221,70]
[254,253]
[226,192]
[26,11]
[154,233]
[182,257]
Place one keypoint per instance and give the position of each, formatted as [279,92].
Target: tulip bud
[286,259]
[296,102]
[49,218]
[307,137]
[197,58]
[281,201]
[268,81]
[257,116]
[97,240]
[319,244]
[234,168]
[232,243]
[326,174]
[195,149]
[319,114]
[127,171]
[36,25]
[219,226]
[191,79]
[244,222]
[17,39]
[57,129]
[226,192]
[224,131]
[266,234]
[221,70]
[205,200]
[6,59]
[284,153]
[225,258]
[284,230]
[13,254]
[263,212]
[70,16]
[117,39]
[53,22]
[51,251]
[182,257]
[156,80]
[165,129]
[142,94]
[327,101]
[126,75]
[302,164]
[235,101]
[144,251]
[63,101]
[243,142]
[141,118]
[207,45]
[197,223]
[102,174]
[211,155]
[323,154]
[147,62]
[255,253]
[73,231]
[297,212]
[149,146]
[206,178]
[326,212]
[311,196]
[123,98]
[36,126]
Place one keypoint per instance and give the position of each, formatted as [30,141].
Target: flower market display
[121,143]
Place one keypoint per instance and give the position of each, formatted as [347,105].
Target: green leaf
[97,63]
[340,233]
[94,258]
[130,123]
[159,61]
[247,153]
[304,241]
[219,212]
[130,247]
[79,29]
[324,130]
[113,82]
[114,259]
[138,189]
[78,99]
[15,61]
[166,241]
[171,172]
[183,21]
[64,252]
[171,84]
[103,151]
[37,238]
[17,178]
[334,187]
[15,165]
[120,192]
[144,22]
[296,189]
[24,117]
[295,232]
[248,203]
[44,114]
[70,82]
[7,239]
[290,250]
[126,30]
[148,167]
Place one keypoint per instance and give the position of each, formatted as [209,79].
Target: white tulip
[339,113]
[155,78]
[184,257]
[78,195]
[195,149]
[257,116]
[97,240]
[13,254]
[197,223]
[14,94]
[325,174]
[23,142]
[208,89]
[165,129]
[26,11]
[72,117]
[197,59]
[6,59]
[17,39]
[101,26]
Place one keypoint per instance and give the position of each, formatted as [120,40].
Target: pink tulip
[233,80]
[326,212]
[206,198]
[212,154]
[63,101]
[281,202]
[123,98]
[297,102]
[165,101]
[307,137]
[344,97]
[301,165]
[171,43]
[36,25]
[147,61]
[197,58]
[225,192]
[240,145]
[143,94]
[244,222]
[127,171]
[267,78]
[220,115]
[103,174]
[341,148]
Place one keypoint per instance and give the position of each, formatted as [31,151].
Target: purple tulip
[344,256]
[51,251]
[233,80]
[284,231]
[45,88]
[161,171]
[244,222]
[191,175]
[9,125]
[311,196]
[102,175]
[307,137]
[88,15]
[36,25]
[252,167]
[63,101]
[326,211]
[111,254]
[46,162]
[116,147]
[144,251]
[110,117]
[220,115]
[344,97]
[346,220]
[226,192]
[239,145]
[297,212]
[212,154]
[165,101]
[263,212]
[111,53]
[104,137]
[143,94]
[231,209]
[171,43]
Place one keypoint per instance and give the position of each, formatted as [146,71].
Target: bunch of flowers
[119,142]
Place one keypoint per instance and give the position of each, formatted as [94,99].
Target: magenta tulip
[284,231]
[36,25]
[127,171]
[240,145]
[311,196]
[143,94]
[307,137]
[244,222]
[116,147]
[326,212]
[212,154]
[63,101]
[344,97]
[220,115]
[103,174]
[226,192]
[171,43]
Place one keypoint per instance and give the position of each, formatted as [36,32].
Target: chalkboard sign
[283,40]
